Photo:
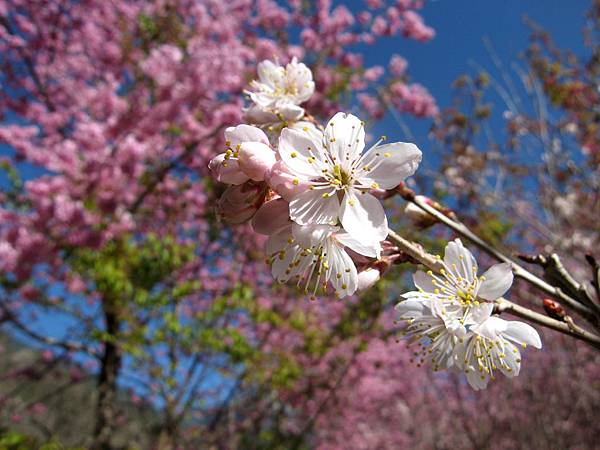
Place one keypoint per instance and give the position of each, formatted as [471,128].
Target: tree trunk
[107,385]
[167,438]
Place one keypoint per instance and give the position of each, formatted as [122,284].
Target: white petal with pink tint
[363,217]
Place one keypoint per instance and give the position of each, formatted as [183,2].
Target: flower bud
[255,159]
[239,203]
[419,217]
[367,278]
[226,170]
[283,182]
[554,309]
[271,217]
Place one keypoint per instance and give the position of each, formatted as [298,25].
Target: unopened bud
[239,203]
[554,309]
[283,182]
[367,278]
[420,218]
[255,159]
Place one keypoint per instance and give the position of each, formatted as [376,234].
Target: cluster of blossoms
[312,190]
[450,316]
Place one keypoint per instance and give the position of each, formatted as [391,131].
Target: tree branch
[432,262]
[518,270]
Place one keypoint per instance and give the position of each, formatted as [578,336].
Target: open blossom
[427,323]
[248,156]
[278,87]
[315,256]
[340,175]
[491,347]
[451,315]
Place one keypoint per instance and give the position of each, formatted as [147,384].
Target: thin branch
[68,346]
[162,171]
[569,327]
[518,270]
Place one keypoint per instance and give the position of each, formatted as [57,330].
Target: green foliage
[161,29]
[13,440]
[133,270]
[493,227]
[15,185]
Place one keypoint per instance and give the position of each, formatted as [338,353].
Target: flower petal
[522,333]
[385,166]
[301,152]
[309,236]
[282,254]
[372,249]
[278,241]
[313,207]
[412,308]
[255,159]
[511,360]
[423,281]
[497,280]
[227,170]
[460,261]
[236,136]
[490,328]
[271,217]
[270,73]
[476,379]
[479,314]
[367,278]
[363,217]
[289,112]
[341,272]
[345,135]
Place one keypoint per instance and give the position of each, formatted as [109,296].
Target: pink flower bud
[271,217]
[226,170]
[239,203]
[367,278]
[283,182]
[417,216]
[255,159]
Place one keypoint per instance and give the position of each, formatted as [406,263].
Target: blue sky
[461,26]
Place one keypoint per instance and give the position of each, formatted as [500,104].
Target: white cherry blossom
[450,315]
[279,87]
[490,347]
[437,333]
[458,285]
[340,175]
[315,256]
